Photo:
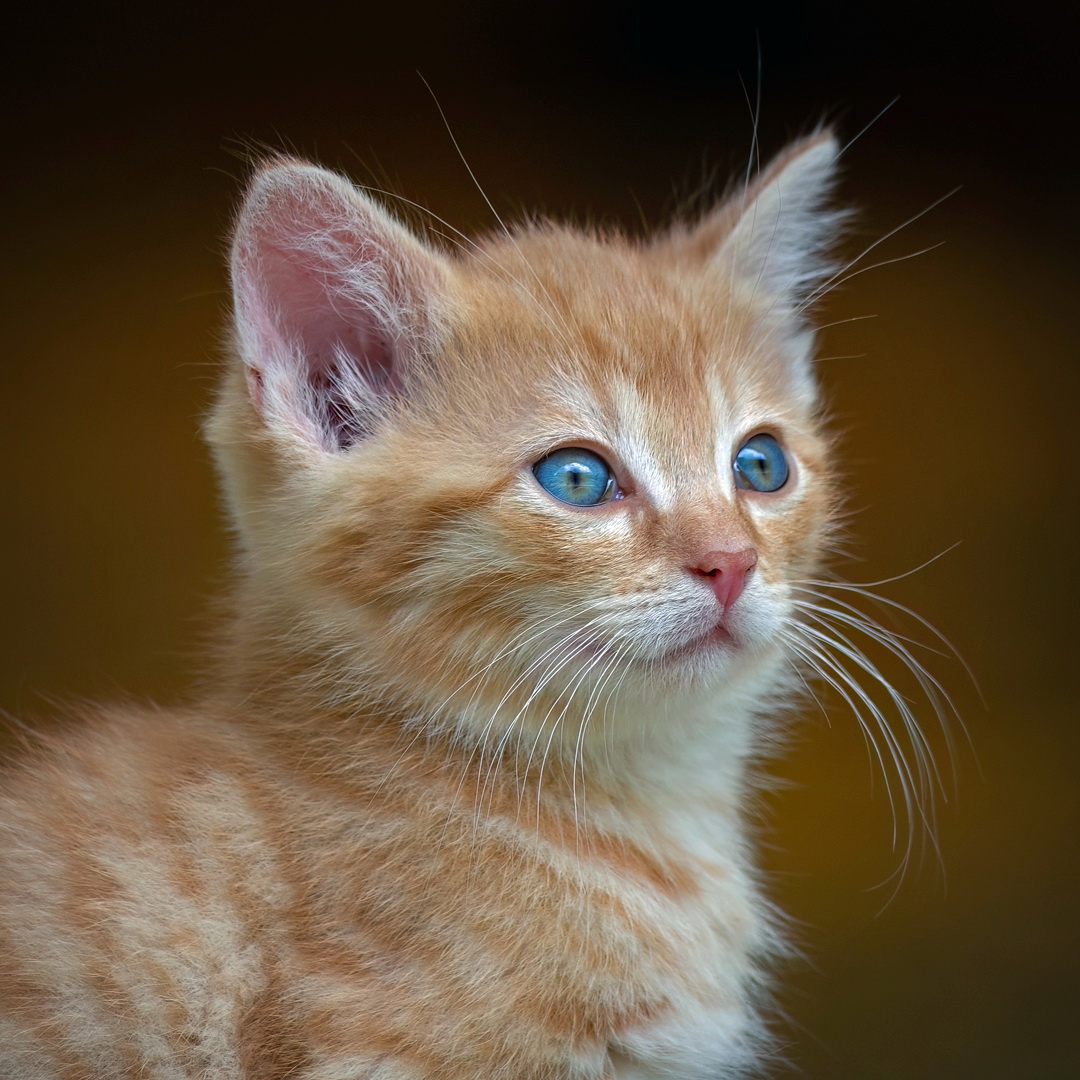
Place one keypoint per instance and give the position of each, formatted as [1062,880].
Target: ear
[774,236]
[771,243]
[781,238]
[334,303]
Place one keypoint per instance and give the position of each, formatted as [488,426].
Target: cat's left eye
[760,465]
[576,476]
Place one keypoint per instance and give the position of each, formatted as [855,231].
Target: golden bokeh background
[126,135]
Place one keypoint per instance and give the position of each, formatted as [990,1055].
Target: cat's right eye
[576,476]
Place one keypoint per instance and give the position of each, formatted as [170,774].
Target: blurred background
[126,131]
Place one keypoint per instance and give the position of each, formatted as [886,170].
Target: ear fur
[781,237]
[770,243]
[774,235]
[334,302]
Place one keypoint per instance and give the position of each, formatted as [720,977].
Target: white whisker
[832,282]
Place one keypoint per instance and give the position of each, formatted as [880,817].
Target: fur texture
[465,796]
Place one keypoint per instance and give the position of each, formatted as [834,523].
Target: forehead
[637,348]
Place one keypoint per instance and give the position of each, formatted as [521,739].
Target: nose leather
[726,572]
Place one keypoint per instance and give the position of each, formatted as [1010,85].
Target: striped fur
[465,793]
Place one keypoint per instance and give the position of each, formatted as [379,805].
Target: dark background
[125,135]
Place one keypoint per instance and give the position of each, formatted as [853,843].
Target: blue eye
[575,476]
[760,465]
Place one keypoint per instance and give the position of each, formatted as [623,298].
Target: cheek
[790,543]
[513,593]
[547,580]
[579,555]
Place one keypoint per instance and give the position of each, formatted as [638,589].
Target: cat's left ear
[775,234]
[769,244]
[784,228]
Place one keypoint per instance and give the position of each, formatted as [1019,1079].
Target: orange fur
[464,795]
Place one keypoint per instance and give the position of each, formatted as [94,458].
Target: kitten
[521,532]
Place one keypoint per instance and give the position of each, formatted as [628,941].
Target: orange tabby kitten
[520,533]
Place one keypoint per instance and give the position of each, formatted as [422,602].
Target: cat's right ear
[334,302]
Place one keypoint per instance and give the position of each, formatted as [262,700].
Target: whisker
[839,681]
[836,282]
[565,647]
[916,799]
[568,692]
[553,310]
[866,127]
[889,580]
[927,769]
[862,589]
[821,637]
[894,643]
[833,281]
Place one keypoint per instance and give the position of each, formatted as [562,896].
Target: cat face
[508,490]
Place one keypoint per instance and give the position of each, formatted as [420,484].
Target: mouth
[707,645]
[712,641]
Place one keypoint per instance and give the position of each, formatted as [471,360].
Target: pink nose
[727,572]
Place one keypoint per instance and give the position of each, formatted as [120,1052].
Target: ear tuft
[334,302]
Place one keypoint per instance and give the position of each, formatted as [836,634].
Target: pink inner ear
[322,282]
[344,354]
[316,311]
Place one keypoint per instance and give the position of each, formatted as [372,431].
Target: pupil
[576,476]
